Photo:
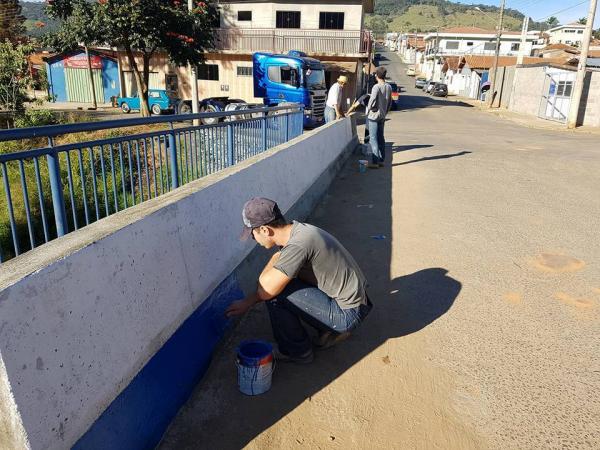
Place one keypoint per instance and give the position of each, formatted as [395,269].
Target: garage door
[78,85]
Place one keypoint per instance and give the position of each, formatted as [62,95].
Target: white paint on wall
[80,316]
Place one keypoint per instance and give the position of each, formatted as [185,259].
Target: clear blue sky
[541,9]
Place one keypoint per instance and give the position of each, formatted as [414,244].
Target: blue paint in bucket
[255,366]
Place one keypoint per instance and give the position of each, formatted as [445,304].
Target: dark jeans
[300,300]
[377,140]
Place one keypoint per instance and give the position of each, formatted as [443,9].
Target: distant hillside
[36,16]
[428,15]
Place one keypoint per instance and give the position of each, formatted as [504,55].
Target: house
[571,34]
[409,44]
[558,51]
[471,41]
[68,76]
[332,32]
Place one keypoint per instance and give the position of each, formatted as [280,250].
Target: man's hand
[240,307]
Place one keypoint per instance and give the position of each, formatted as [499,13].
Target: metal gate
[78,85]
[556,95]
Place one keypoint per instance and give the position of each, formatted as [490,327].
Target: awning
[340,66]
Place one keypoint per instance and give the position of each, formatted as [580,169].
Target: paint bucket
[255,367]
[362,165]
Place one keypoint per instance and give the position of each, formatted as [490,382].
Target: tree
[14,76]
[582,20]
[140,27]
[552,22]
[11,21]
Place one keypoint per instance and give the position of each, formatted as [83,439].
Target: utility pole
[490,97]
[91,74]
[194,78]
[521,54]
[581,68]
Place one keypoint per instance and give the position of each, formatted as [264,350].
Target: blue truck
[278,80]
[291,78]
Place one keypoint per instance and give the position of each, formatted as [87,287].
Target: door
[78,85]
[556,95]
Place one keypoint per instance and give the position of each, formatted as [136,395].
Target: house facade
[571,34]
[331,32]
[462,41]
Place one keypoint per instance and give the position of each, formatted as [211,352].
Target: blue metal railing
[80,182]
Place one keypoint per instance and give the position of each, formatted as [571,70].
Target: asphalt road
[486,283]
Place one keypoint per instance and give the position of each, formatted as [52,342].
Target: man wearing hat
[333,106]
[312,278]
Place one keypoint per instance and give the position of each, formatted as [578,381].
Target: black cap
[258,211]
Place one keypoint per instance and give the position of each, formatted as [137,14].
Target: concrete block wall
[589,108]
[104,332]
[527,94]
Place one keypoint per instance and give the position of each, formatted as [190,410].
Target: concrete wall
[527,94]
[101,331]
[589,108]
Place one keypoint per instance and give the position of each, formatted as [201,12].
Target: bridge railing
[68,180]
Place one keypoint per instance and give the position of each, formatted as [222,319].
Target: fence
[89,180]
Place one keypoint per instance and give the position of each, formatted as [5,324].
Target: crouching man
[312,278]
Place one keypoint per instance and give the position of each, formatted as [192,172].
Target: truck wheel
[156,110]
[209,109]
[185,108]
[125,108]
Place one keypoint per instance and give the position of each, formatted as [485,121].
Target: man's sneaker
[305,358]
[329,339]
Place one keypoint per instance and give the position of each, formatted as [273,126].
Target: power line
[562,10]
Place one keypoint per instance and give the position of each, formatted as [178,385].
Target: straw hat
[342,79]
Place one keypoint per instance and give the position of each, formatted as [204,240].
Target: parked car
[420,82]
[439,90]
[410,72]
[429,86]
[159,100]
[395,95]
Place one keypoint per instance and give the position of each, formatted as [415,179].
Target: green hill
[429,15]
[36,16]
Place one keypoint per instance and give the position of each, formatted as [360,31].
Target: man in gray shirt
[312,277]
[377,108]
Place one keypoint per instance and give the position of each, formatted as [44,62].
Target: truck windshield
[314,79]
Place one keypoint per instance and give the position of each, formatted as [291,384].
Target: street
[486,284]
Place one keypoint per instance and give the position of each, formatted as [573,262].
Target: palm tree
[552,22]
[582,21]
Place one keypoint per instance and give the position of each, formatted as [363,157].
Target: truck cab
[291,78]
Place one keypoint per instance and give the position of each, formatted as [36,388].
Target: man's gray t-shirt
[380,102]
[314,255]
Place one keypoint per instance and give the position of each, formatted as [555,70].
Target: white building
[571,34]
[470,41]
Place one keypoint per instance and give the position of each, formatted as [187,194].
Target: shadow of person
[404,148]
[228,419]
[431,158]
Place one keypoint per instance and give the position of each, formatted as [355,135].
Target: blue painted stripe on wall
[139,416]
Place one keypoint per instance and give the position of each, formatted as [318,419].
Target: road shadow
[410,102]
[431,158]
[404,148]
[356,208]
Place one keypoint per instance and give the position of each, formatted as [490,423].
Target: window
[208,72]
[564,88]
[469,44]
[244,16]
[331,21]
[452,45]
[244,71]
[489,46]
[154,94]
[283,74]
[569,31]
[515,47]
[216,23]
[579,31]
[287,19]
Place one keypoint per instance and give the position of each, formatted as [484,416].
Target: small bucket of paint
[362,165]
[255,367]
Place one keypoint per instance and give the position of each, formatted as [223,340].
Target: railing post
[230,144]
[287,126]
[264,131]
[56,189]
[173,156]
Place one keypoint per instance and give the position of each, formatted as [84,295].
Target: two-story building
[571,34]
[461,41]
[330,31]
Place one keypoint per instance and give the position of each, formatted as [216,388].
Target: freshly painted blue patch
[139,416]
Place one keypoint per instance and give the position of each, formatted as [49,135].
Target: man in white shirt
[333,106]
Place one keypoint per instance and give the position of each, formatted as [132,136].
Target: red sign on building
[80,61]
